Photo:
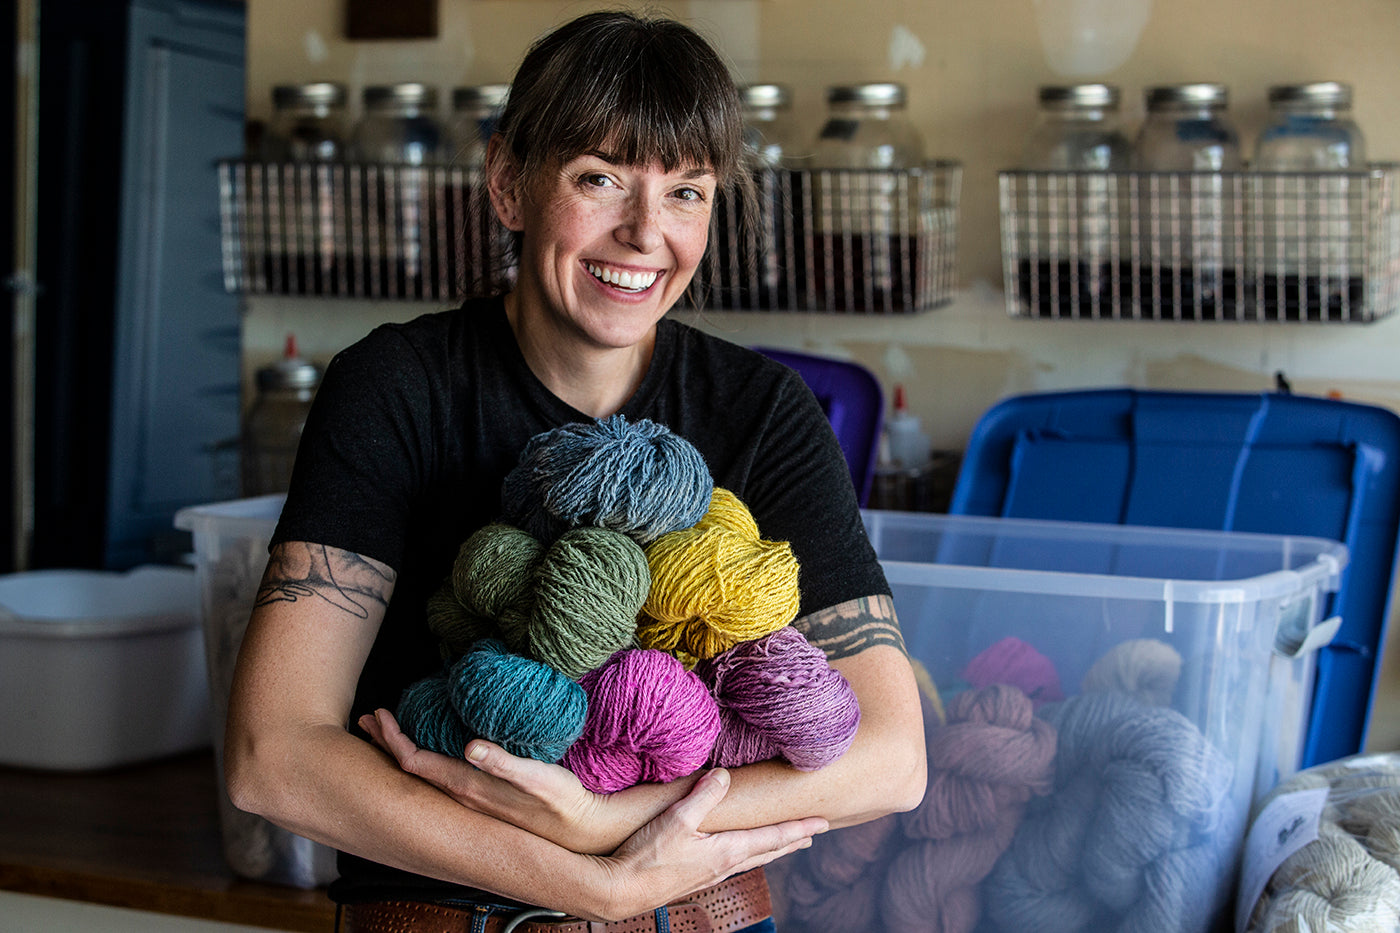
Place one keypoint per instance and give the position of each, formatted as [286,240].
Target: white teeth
[631,281]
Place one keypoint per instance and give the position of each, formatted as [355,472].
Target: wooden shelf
[145,837]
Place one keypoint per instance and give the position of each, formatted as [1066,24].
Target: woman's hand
[670,857]
[542,798]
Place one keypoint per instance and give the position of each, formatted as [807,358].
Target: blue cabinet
[137,385]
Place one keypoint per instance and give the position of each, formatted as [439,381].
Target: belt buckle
[531,913]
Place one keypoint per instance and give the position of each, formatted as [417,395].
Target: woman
[619,134]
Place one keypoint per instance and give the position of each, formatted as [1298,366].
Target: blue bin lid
[1270,463]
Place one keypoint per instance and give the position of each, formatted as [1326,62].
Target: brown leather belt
[736,902]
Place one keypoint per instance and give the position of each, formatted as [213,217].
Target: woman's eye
[596,180]
[690,194]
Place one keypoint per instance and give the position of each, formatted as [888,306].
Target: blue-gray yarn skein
[526,707]
[640,479]
[1137,835]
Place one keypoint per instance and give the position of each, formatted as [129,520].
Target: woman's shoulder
[740,363]
[432,334]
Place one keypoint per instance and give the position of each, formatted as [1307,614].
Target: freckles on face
[609,239]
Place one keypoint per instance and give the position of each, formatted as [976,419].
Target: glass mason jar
[1077,222]
[1310,204]
[398,125]
[1189,252]
[308,123]
[273,426]
[866,207]
[398,135]
[770,132]
[474,114]
[1310,129]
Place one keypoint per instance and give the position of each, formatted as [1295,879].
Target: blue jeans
[762,926]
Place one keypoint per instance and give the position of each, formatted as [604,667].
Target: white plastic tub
[100,669]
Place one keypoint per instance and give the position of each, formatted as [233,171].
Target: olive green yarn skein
[589,588]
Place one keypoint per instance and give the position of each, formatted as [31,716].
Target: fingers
[692,809]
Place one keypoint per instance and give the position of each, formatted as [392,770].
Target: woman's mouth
[621,280]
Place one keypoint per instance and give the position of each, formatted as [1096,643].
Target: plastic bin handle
[1319,636]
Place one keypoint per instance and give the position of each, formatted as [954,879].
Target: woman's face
[608,248]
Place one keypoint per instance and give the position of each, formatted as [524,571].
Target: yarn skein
[717,584]
[639,479]
[526,707]
[1017,663]
[1145,668]
[570,605]
[649,719]
[990,758]
[1131,837]
[1345,879]
[779,697]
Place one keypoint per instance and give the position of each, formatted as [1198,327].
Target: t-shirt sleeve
[800,491]
[363,453]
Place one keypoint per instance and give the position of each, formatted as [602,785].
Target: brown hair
[645,90]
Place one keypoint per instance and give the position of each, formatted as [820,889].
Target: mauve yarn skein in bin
[100,669]
[230,545]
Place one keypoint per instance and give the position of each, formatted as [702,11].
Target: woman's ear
[501,177]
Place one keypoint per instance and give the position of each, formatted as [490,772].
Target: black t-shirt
[415,427]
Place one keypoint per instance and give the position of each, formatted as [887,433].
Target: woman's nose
[640,225]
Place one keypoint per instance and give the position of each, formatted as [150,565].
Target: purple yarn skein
[780,698]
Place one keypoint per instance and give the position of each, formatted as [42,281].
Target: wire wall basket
[833,240]
[1202,246]
[868,241]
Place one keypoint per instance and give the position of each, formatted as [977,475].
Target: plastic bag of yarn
[639,479]
[1323,851]
[526,707]
[570,604]
[779,697]
[717,584]
[649,720]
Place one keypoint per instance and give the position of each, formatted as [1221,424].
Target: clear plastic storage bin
[1151,707]
[230,547]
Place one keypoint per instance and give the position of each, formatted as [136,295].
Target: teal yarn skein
[527,708]
[425,714]
[570,605]
[639,479]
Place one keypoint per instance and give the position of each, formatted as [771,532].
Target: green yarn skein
[570,605]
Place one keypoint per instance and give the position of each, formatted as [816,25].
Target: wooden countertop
[145,837]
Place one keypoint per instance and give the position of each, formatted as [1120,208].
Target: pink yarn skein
[1015,662]
[780,698]
[649,719]
[984,766]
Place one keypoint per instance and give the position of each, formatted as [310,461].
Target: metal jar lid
[288,375]
[407,96]
[315,94]
[1166,96]
[886,94]
[480,97]
[1077,96]
[761,96]
[1316,94]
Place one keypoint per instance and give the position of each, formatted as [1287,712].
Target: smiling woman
[608,188]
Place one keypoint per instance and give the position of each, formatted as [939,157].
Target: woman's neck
[596,380]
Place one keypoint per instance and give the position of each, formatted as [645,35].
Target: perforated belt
[733,904]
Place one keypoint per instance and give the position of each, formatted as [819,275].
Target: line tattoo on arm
[298,570]
[849,628]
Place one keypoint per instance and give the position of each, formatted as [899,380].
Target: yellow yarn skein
[716,584]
